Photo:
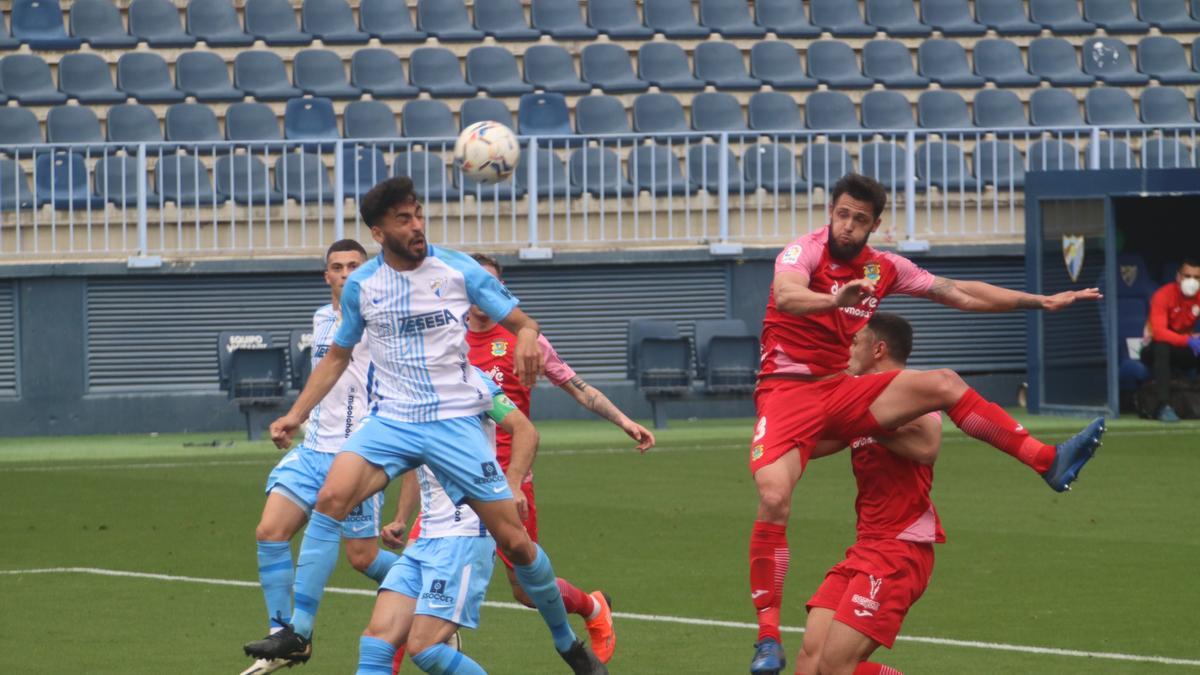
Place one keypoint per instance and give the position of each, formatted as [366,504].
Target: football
[487,152]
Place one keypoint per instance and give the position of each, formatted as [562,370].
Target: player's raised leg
[816,630]
[360,530]
[846,652]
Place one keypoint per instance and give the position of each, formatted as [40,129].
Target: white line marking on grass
[656,618]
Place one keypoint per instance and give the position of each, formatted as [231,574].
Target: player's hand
[527,358]
[394,534]
[854,292]
[520,501]
[639,433]
[1053,303]
[282,430]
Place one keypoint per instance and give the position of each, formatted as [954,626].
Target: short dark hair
[1189,262]
[344,245]
[894,331]
[385,195]
[485,259]
[862,188]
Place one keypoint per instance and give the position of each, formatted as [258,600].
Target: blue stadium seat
[263,75]
[203,75]
[320,72]
[550,67]
[1163,106]
[447,21]
[18,126]
[560,20]
[774,111]
[1166,153]
[784,18]
[832,63]
[551,175]
[952,17]
[618,19]
[716,112]
[840,18]
[658,114]
[778,64]
[99,23]
[1114,16]
[941,109]
[600,115]
[1000,164]
[704,170]
[1109,106]
[475,110]
[7,41]
[27,79]
[1169,16]
[1006,17]
[884,162]
[216,23]
[665,65]
[773,168]
[544,114]
[1113,154]
[244,179]
[999,61]
[597,171]
[495,71]
[607,66]
[380,73]
[369,119]
[730,18]
[720,64]
[897,18]
[998,109]
[1049,154]
[823,164]
[144,76]
[303,178]
[332,22]
[830,110]
[14,187]
[115,178]
[504,20]
[945,62]
[656,169]
[251,122]
[428,173]
[887,110]
[190,124]
[1054,108]
[274,21]
[1062,18]
[133,124]
[889,63]
[673,18]
[1163,59]
[39,24]
[1054,60]
[86,78]
[436,70]
[363,167]
[310,119]
[73,124]
[658,359]
[945,167]
[1109,61]
[388,20]
[424,118]
[157,23]
[61,179]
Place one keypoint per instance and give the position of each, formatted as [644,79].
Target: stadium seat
[774,111]
[884,162]
[727,356]
[447,21]
[1054,108]
[951,17]
[1164,106]
[319,72]
[1000,164]
[363,167]
[388,20]
[618,19]
[552,180]
[945,62]
[258,380]
[144,76]
[61,179]
[226,348]
[475,110]
[39,24]
[27,79]
[998,109]
[832,63]
[999,61]
[717,112]
[192,123]
[369,119]
[428,173]
[216,23]
[133,124]
[1109,106]
[1050,154]
[607,66]
[14,187]
[823,164]
[1163,59]
[704,170]
[665,65]
[560,20]
[380,73]
[550,67]
[730,18]
[773,168]
[658,360]
[1006,17]
[1166,153]
[495,71]
[945,167]
[940,109]
[274,21]
[251,122]
[86,78]
[544,114]
[423,118]
[595,115]
[597,171]
[840,18]
[889,63]
[18,127]
[674,19]
[303,178]
[99,23]
[887,110]
[658,114]
[436,70]
[1062,18]
[1113,154]
[1109,61]
[244,179]
[116,180]
[332,22]
[831,111]
[7,41]
[655,169]
[720,64]
[1054,60]
[1114,16]
[203,75]
[263,75]
[310,119]
[74,125]
[504,20]
[777,63]
[784,18]
[897,18]
[156,22]
[1169,16]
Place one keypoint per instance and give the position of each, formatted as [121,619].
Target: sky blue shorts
[299,476]
[447,575]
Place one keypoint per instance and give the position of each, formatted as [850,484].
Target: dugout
[1087,228]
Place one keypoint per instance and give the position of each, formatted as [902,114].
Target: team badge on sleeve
[791,254]
[500,348]
[871,272]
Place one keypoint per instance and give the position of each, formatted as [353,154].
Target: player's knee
[774,504]
[360,558]
[418,643]
[521,596]
[829,663]
[270,532]
[332,503]
[947,386]
[517,547]
[809,659]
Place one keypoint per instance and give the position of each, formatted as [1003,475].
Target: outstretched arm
[527,356]
[593,399]
[978,296]
[323,377]
[524,449]
[393,534]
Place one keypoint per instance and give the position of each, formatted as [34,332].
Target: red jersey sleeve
[557,370]
[1160,312]
[911,278]
[799,257]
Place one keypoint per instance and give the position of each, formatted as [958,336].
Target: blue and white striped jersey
[338,414]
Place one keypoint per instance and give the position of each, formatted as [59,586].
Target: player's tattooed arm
[978,296]
[594,400]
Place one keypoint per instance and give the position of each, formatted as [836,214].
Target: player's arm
[827,448]
[792,294]
[919,440]
[394,533]
[979,296]
[593,399]
[1160,327]
[323,377]
[527,357]
[524,446]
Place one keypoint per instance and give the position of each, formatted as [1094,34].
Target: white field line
[656,618]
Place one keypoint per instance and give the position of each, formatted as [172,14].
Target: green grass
[1110,567]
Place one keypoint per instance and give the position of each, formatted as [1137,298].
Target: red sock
[575,600]
[988,422]
[397,660]
[769,556]
[868,668]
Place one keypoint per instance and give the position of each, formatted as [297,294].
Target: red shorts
[795,414]
[872,590]
[530,522]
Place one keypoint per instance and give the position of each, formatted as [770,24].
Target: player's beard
[408,251]
[838,251]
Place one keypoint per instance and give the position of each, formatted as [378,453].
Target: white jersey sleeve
[338,414]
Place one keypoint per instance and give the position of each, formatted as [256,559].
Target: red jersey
[819,344]
[893,495]
[1172,315]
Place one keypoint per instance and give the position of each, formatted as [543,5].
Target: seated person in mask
[1171,338]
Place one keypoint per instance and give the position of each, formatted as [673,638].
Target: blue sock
[380,565]
[318,555]
[375,656]
[442,660]
[539,582]
[275,575]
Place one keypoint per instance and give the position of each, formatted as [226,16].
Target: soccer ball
[487,152]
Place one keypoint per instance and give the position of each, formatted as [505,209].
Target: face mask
[1190,286]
